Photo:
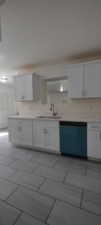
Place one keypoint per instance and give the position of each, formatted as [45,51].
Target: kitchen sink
[49,117]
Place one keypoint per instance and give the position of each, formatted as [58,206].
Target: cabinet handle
[83,93]
[100,136]
[19,128]
[94,127]
[45,131]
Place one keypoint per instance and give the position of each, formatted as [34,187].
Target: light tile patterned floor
[44,189]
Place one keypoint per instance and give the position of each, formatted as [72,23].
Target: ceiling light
[3,134]
[3,79]
[61,88]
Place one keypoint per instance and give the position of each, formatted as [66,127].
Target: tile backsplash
[89,109]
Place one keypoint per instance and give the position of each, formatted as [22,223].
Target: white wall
[7,104]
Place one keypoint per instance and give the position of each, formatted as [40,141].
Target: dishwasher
[73,138]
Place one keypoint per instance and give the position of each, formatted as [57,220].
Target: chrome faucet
[52,109]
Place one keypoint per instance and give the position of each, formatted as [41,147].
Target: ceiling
[38,31]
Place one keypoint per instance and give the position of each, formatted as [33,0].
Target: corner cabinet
[94,140]
[30,88]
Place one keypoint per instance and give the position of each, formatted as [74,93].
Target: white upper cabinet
[85,80]
[29,88]
[93,80]
[43,91]
[76,80]
[19,88]
[24,88]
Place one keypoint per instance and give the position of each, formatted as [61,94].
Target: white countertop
[56,119]
[22,117]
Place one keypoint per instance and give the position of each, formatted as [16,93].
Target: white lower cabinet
[34,133]
[52,138]
[46,135]
[38,134]
[20,131]
[94,141]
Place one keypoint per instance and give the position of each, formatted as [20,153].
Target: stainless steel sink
[49,117]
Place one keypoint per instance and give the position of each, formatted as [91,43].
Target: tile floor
[43,189]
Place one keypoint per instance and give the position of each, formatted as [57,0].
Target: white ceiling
[34,31]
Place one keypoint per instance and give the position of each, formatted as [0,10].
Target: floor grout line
[38,189]
[14,191]
[82,194]
[17,219]
[51,209]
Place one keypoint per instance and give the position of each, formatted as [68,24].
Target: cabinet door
[94,144]
[26,134]
[28,88]
[76,78]
[24,88]
[19,88]
[52,138]
[20,132]
[46,135]
[15,131]
[93,80]
[43,91]
[38,134]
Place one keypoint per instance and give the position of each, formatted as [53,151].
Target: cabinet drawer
[48,123]
[15,124]
[94,126]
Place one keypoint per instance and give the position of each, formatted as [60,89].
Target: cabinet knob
[45,131]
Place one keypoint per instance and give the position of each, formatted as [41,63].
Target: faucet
[52,109]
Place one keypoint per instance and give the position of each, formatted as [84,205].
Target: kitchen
[50,167]
[84,127]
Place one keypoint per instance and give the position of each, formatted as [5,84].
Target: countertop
[56,119]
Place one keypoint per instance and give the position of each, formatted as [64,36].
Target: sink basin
[49,117]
